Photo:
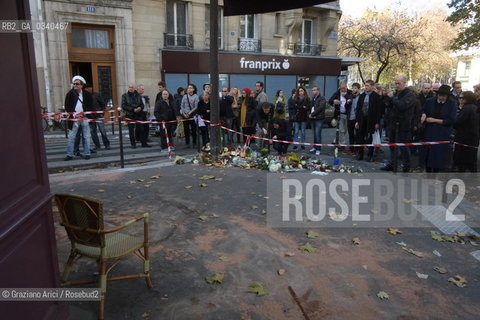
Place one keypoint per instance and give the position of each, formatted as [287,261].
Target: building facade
[467,69]
[112,43]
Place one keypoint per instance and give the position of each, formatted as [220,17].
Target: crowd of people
[437,113]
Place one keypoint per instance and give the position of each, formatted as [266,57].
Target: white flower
[195,161]
[303,162]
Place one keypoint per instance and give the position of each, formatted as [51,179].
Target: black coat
[318,106]
[283,132]
[130,101]
[467,131]
[436,156]
[301,108]
[264,120]
[368,122]
[204,109]
[71,101]
[226,111]
[98,105]
[401,109]
[348,105]
[164,111]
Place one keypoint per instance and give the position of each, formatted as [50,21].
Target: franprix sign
[264,65]
[241,63]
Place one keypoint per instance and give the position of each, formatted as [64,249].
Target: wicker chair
[83,220]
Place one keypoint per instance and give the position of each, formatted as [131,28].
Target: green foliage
[467,15]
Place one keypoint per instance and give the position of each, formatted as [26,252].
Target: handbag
[376,137]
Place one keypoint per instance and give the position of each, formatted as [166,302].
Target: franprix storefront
[277,72]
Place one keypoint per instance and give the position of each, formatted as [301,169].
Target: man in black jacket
[133,106]
[400,112]
[317,116]
[280,131]
[78,101]
[367,117]
[98,105]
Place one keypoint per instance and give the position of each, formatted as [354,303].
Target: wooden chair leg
[146,265]
[68,266]
[103,289]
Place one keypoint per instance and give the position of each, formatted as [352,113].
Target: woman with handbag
[188,109]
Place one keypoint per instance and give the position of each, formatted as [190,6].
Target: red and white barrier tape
[167,137]
[249,137]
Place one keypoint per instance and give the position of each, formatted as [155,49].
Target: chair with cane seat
[83,220]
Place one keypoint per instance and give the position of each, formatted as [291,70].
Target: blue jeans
[93,133]
[299,135]
[85,128]
[317,126]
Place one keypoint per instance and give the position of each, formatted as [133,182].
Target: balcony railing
[178,40]
[306,49]
[249,45]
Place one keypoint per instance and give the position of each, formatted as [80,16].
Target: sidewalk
[199,231]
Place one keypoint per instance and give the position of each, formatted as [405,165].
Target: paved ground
[338,281]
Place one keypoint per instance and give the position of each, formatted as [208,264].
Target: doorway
[92,55]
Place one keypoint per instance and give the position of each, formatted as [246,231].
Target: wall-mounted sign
[90,8]
[198,62]
[263,65]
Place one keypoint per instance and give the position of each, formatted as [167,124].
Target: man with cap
[438,117]
[78,101]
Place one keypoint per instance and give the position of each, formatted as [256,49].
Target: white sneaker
[317,153]
[312,150]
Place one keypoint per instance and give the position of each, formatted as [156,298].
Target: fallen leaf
[422,275]
[393,231]
[219,179]
[147,186]
[155,177]
[257,287]
[307,247]
[203,218]
[407,200]
[356,241]
[459,281]
[215,215]
[281,272]
[383,295]
[216,278]
[312,234]
[266,197]
[203,185]
[100,190]
[140,180]
[188,187]
[415,253]
[133,181]
[254,207]
[223,258]
[264,212]
[438,254]
[206,177]
[435,236]
[440,270]
[403,244]
[130,196]
[289,254]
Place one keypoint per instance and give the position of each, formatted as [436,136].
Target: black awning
[239,7]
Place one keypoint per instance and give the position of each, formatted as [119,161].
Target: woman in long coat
[439,114]
[467,132]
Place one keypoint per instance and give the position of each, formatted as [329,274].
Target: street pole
[120,137]
[214,107]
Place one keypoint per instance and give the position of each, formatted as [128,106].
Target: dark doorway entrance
[83,69]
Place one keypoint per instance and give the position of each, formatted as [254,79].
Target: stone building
[112,43]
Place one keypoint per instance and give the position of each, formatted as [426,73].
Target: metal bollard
[395,150]
[120,137]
